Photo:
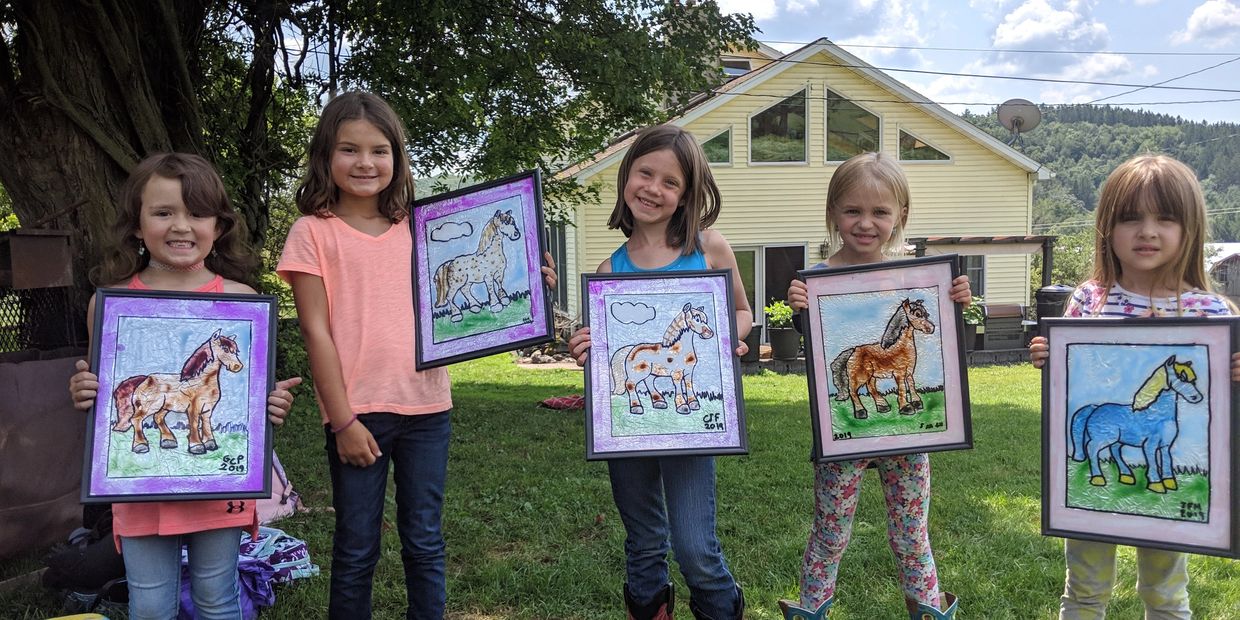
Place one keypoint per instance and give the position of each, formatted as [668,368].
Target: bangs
[1147,198]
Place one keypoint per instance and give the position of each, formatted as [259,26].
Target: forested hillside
[1081,144]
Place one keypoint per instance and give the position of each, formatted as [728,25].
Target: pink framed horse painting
[885,360]
[183,383]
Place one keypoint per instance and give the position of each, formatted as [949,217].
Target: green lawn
[532,531]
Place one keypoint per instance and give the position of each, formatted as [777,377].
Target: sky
[1135,42]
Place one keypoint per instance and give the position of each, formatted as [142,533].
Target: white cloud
[1144,2]
[760,9]
[630,312]
[801,6]
[1149,71]
[452,230]
[1215,22]
[1036,22]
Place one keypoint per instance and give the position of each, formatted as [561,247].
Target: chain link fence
[43,318]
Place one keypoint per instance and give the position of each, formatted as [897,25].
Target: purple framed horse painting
[662,377]
[1139,432]
[885,359]
[477,254]
[182,405]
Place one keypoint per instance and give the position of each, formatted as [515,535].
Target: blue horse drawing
[1148,423]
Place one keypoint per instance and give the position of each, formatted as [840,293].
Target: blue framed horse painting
[885,359]
[1139,433]
[477,254]
[182,405]
[662,377]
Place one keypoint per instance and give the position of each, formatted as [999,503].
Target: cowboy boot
[792,612]
[737,614]
[918,611]
[658,609]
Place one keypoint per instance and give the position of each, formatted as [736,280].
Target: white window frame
[920,162]
[731,147]
[980,284]
[749,128]
[826,125]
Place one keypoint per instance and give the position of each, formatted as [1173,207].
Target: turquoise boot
[792,612]
[917,611]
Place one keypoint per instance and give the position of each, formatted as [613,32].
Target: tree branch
[120,153]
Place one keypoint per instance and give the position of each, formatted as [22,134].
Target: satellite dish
[1019,116]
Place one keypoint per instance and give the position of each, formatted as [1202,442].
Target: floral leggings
[837,486]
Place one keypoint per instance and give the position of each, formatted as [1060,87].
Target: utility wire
[1000,49]
[1178,77]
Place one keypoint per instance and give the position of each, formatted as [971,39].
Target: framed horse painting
[662,377]
[477,284]
[885,359]
[182,407]
[1139,433]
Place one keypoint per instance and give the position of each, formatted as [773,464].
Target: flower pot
[785,343]
[754,341]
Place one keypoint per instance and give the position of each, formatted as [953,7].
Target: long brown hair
[204,195]
[700,202]
[1169,188]
[317,194]
[875,169]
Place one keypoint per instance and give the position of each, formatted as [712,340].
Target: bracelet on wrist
[337,429]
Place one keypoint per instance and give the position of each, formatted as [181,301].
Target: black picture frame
[149,344]
[615,306]
[449,225]
[1108,508]
[859,306]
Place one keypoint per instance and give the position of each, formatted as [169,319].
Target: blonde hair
[700,201]
[1164,186]
[878,170]
[317,193]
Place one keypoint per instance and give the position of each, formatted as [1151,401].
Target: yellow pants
[1162,582]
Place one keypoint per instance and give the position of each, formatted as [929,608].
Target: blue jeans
[640,487]
[417,447]
[153,570]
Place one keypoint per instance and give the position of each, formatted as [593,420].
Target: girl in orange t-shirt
[349,262]
[178,232]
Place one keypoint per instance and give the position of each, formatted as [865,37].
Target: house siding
[977,193]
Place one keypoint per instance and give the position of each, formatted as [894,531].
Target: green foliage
[8,219]
[973,313]
[778,148]
[1083,144]
[1072,260]
[778,314]
[497,89]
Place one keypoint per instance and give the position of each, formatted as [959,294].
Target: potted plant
[785,341]
[973,317]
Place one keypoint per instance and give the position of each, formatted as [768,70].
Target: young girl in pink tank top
[177,231]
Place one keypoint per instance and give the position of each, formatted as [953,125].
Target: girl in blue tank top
[668,198]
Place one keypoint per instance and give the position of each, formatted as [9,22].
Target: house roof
[712,99]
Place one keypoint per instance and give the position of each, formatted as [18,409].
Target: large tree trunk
[91,88]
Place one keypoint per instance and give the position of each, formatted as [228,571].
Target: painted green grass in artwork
[1191,502]
[516,313]
[708,419]
[124,463]
[929,420]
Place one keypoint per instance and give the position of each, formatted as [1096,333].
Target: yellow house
[774,135]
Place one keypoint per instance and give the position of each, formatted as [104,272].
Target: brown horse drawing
[893,356]
[195,391]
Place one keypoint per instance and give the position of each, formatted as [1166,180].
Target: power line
[942,103]
[1178,77]
[1002,50]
